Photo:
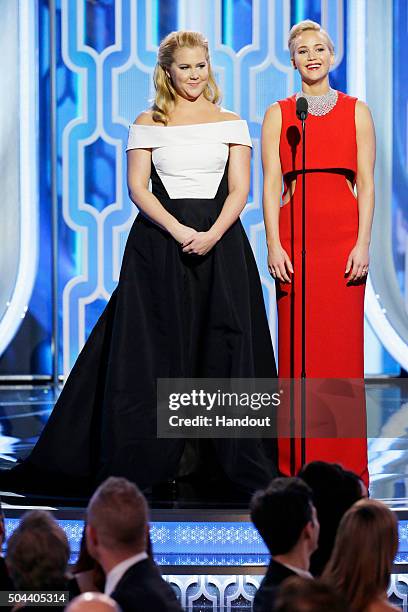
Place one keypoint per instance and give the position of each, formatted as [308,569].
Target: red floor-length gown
[334,307]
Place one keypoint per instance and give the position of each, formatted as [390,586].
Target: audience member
[364,550]
[93,602]
[304,595]
[116,537]
[38,554]
[285,517]
[5,580]
[88,575]
[335,490]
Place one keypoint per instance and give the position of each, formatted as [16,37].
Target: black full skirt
[171,315]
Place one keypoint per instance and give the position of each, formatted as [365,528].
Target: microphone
[301,108]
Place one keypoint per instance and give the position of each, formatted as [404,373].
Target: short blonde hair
[304,26]
[118,511]
[165,93]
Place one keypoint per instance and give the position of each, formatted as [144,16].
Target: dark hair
[335,490]
[118,511]
[86,563]
[304,595]
[38,553]
[280,513]
[2,525]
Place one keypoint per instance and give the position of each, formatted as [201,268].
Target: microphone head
[301,108]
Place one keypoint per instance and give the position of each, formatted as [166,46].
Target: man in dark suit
[116,534]
[285,517]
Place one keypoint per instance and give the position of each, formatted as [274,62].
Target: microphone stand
[301,112]
[303,372]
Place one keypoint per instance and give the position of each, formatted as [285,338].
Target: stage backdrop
[105,55]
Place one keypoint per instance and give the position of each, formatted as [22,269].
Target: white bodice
[190,159]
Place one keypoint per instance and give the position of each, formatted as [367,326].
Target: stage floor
[24,411]
[209,551]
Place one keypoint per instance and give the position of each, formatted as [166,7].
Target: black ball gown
[171,315]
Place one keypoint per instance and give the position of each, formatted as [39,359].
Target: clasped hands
[194,242]
[280,267]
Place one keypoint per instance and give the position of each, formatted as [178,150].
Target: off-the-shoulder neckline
[155,127]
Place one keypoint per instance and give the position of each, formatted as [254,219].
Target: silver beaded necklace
[320,105]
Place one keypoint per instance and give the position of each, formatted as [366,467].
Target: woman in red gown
[340,154]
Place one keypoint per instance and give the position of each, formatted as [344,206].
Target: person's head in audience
[87,572]
[93,602]
[364,550]
[335,490]
[287,520]
[299,594]
[2,527]
[117,522]
[38,553]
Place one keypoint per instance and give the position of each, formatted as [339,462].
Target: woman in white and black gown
[188,304]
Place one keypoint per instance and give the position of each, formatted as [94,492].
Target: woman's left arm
[357,263]
[239,163]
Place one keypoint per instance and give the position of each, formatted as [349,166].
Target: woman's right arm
[138,176]
[279,264]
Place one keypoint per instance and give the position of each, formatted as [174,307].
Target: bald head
[93,602]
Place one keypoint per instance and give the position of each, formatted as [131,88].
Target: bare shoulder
[145,118]
[362,106]
[273,118]
[363,112]
[227,115]
[273,112]
[365,130]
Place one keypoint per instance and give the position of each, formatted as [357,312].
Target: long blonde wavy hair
[165,97]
